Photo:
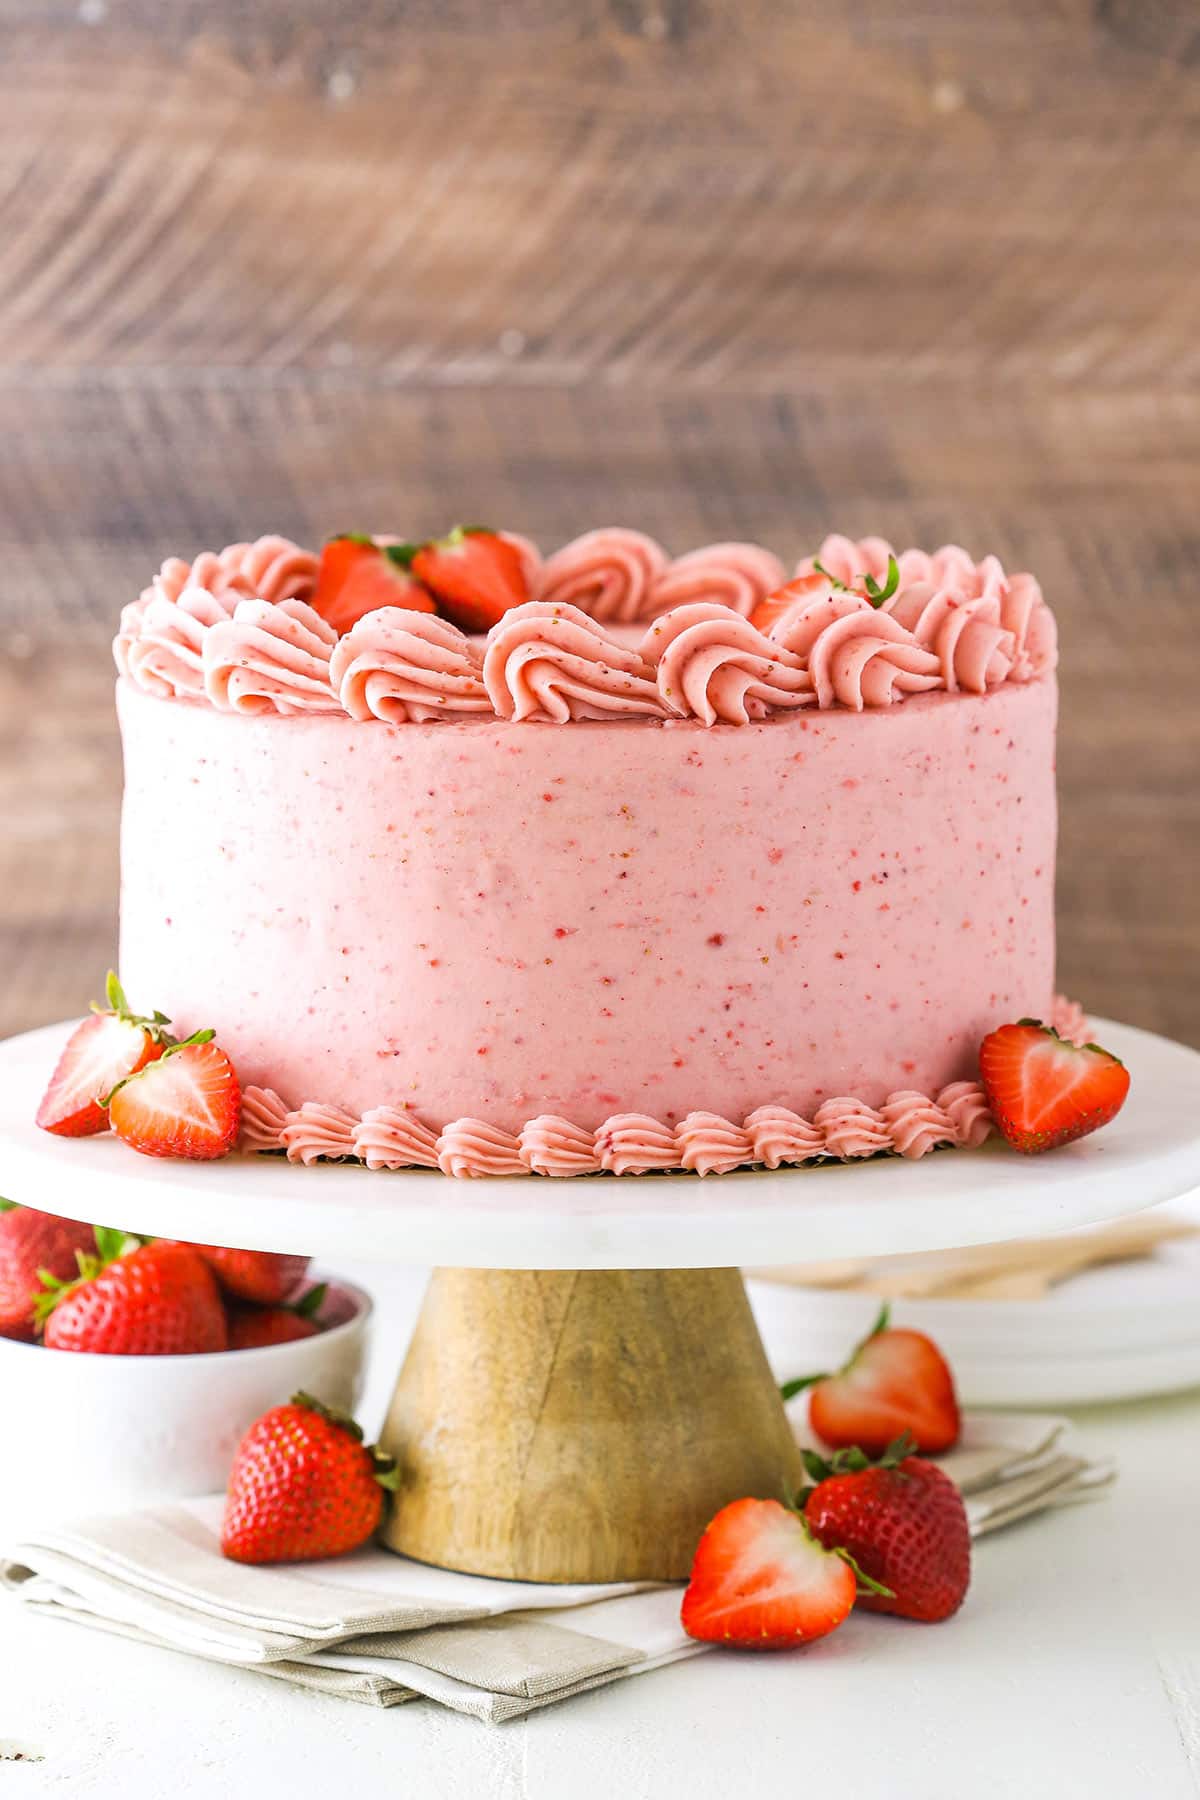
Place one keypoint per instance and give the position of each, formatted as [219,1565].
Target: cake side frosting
[475,921]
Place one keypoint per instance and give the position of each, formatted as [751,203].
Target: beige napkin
[380,1629]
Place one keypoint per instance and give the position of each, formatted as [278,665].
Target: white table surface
[1074,1668]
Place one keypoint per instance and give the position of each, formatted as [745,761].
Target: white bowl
[86,1433]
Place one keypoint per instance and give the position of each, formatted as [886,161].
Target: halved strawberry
[803,587]
[476,575]
[102,1051]
[1045,1091]
[761,1581]
[896,1381]
[358,576]
[186,1104]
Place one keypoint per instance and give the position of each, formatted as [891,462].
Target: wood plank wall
[714,267]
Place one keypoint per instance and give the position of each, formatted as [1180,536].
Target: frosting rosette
[917,1123]
[271,568]
[166,655]
[1024,612]
[634,1144]
[398,665]
[609,574]
[778,1135]
[735,575]
[547,660]
[270,658]
[965,1105]
[713,665]
[264,1116]
[965,633]
[552,1146]
[856,654]
[711,1145]
[851,1128]
[318,1133]
[470,1148]
[388,1138]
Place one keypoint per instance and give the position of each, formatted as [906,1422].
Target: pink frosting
[264,1116]
[851,1129]
[398,665]
[317,1133]
[549,1145]
[965,634]
[916,1124]
[272,568]
[550,661]
[469,1147]
[778,1135]
[908,1124]
[634,1144]
[387,1138]
[608,573]
[166,657]
[711,1145]
[734,575]
[270,658]
[1070,1021]
[965,1105]
[856,654]
[712,664]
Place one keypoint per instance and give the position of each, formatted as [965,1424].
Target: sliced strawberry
[476,575]
[357,575]
[186,1104]
[896,1381]
[1044,1091]
[111,1045]
[761,1581]
[257,1327]
[902,1520]
[802,588]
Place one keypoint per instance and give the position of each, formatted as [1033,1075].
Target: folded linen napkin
[377,1628]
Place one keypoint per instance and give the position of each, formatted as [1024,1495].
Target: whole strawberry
[904,1523]
[30,1242]
[896,1381]
[762,1581]
[111,1045]
[257,1327]
[135,1299]
[303,1486]
[263,1276]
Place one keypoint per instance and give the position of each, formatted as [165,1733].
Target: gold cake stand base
[580,1427]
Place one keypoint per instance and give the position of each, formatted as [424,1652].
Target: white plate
[1150,1153]
[1113,1333]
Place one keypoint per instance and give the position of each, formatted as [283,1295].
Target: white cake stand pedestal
[585,1386]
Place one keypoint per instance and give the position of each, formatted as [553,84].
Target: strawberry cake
[608,860]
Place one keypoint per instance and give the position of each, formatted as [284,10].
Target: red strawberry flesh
[1044,1091]
[188,1104]
[760,1581]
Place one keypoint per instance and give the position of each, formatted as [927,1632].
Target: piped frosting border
[201,633]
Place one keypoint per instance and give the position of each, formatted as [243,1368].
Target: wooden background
[713,267]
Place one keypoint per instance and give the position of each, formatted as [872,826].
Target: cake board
[585,1387]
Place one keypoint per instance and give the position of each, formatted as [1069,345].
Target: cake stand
[585,1386]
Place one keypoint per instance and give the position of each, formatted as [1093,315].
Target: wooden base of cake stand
[579,1427]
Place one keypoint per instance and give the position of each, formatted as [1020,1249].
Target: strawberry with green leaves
[257,1327]
[897,1380]
[134,1299]
[1045,1091]
[904,1523]
[476,575]
[303,1486]
[761,1580]
[112,1044]
[186,1104]
[31,1242]
[359,574]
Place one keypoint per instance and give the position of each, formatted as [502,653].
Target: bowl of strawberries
[130,1367]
